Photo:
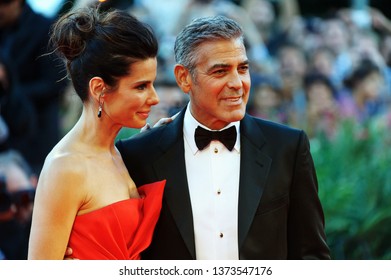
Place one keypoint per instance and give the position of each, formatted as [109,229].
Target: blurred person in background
[17,190]
[322,113]
[292,66]
[361,100]
[336,37]
[263,14]
[321,60]
[265,100]
[31,83]
[276,21]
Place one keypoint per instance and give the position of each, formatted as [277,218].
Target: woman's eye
[142,87]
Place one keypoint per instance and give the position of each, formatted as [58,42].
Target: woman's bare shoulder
[63,162]
[63,169]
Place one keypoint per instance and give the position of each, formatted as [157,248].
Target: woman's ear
[183,77]
[96,88]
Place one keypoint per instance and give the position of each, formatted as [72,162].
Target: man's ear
[183,77]
[96,87]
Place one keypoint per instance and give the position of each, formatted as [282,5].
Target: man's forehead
[221,52]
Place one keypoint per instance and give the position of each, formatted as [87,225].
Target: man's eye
[244,68]
[220,71]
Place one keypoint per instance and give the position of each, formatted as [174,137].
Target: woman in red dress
[85,196]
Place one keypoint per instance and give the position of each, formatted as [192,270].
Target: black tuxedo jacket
[280,215]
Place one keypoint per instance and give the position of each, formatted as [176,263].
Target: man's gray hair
[202,30]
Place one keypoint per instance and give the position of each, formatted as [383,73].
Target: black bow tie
[227,137]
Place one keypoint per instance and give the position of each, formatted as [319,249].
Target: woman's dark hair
[363,70]
[104,44]
[312,78]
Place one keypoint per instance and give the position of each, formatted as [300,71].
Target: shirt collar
[190,124]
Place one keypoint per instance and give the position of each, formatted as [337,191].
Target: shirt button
[221,235]
[218,192]
[216,150]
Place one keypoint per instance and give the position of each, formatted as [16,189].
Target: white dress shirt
[213,178]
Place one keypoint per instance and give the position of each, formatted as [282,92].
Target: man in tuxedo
[254,197]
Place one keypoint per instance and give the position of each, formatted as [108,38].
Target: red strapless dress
[119,231]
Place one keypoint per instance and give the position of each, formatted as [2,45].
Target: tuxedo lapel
[172,167]
[254,169]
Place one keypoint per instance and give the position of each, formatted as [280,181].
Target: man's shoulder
[271,126]
[148,138]
[275,135]
[148,134]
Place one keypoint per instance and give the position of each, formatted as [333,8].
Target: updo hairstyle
[103,44]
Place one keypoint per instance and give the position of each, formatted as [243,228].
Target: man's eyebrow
[218,66]
[245,62]
[223,65]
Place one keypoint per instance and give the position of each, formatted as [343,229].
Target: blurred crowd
[310,72]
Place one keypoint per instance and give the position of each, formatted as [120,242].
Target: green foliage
[126,133]
[355,189]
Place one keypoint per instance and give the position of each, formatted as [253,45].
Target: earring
[100,106]
[100,111]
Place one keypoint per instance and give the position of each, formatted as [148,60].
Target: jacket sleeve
[306,224]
